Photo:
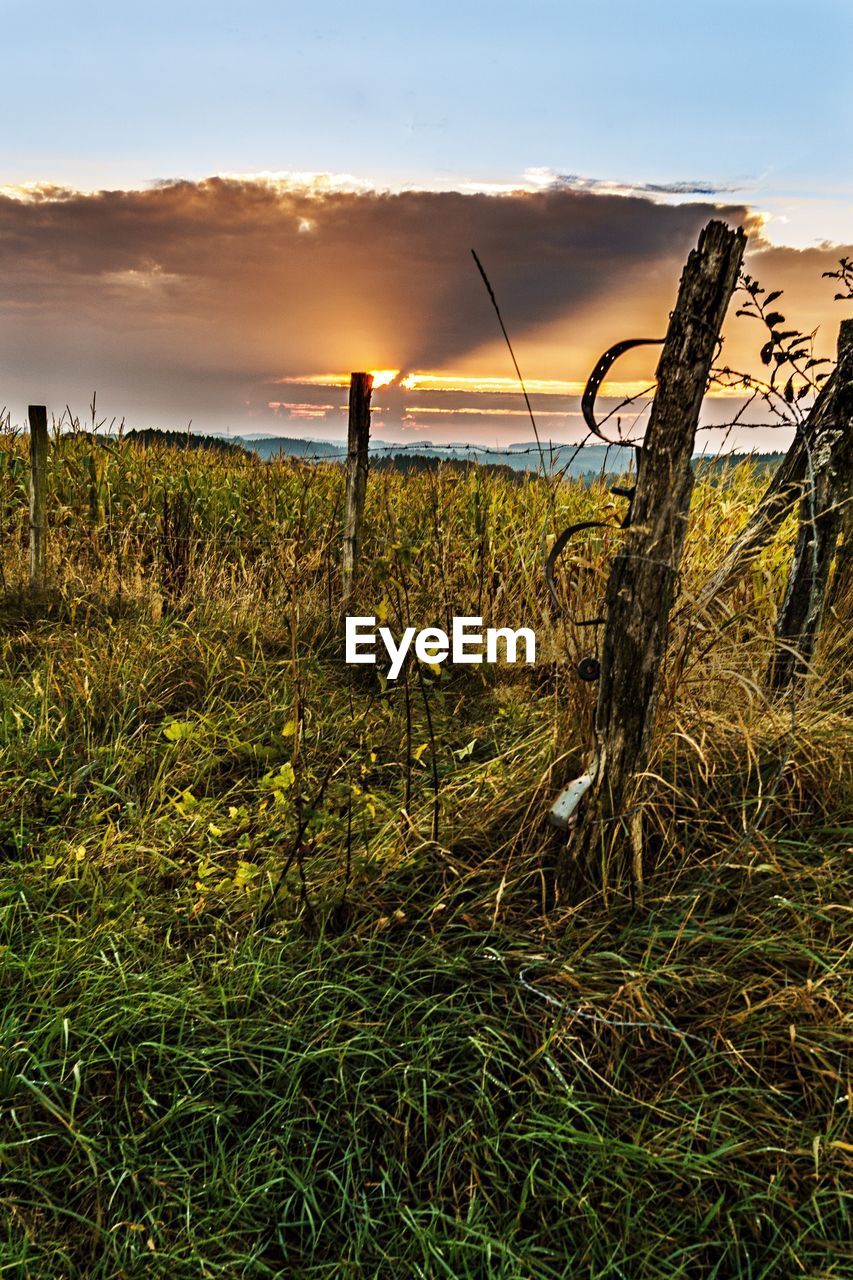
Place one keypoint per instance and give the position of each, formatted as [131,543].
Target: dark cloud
[189,299]
[574,182]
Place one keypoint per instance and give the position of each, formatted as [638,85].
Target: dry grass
[376,1081]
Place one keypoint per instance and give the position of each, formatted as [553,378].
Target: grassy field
[287,990]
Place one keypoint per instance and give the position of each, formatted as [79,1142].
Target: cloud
[189,299]
[604,186]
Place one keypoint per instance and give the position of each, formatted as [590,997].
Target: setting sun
[383,377]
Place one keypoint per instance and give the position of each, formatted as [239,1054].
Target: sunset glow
[383,377]
[489,385]
[185,301]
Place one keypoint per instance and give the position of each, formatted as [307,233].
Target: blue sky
[166,241]
[750,95]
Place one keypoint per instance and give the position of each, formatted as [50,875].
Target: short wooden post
[642,582]
[38,496]
[358,443]
[828,489]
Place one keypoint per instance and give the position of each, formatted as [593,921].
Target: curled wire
[598,375]
[593,386]
[554,554]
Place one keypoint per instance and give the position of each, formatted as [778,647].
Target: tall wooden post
[828,491]
[38,496]
[358,442]
[642,582]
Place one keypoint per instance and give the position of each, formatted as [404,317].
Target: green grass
[182,1099]
[413,1062]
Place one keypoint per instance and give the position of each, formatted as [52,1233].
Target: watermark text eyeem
[466,644]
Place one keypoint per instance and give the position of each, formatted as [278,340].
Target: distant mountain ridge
[579,462]
[572,460]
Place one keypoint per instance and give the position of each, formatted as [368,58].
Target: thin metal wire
[567,1011]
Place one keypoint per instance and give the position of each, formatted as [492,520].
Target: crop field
[288,988]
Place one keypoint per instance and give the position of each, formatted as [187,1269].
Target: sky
[212,212]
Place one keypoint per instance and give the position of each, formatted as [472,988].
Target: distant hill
[586,462]
[574,461]
[571,459]
[184,440]
[292,447]
[408,463]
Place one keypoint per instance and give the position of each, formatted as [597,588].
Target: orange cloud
[199,299]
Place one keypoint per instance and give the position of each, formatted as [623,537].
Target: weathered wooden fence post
[841,590]
[37,414]
[828,489]
[778,499]
[642,582]
[358,442]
